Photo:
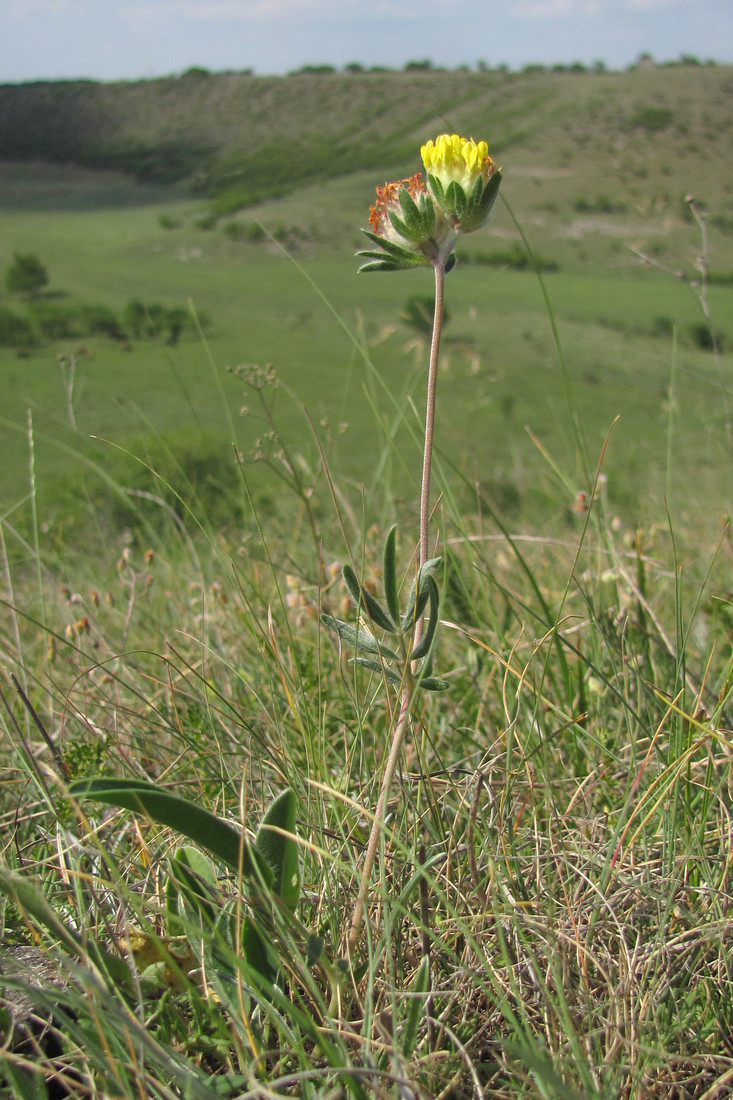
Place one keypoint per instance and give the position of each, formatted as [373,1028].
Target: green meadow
[210,424]
[628,334]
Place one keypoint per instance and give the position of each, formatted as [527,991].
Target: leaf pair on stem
[411,643]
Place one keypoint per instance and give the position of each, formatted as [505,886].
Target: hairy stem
[430,410]
[408,687]
[398,737]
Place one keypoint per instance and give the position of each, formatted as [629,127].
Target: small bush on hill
[703,337]
[101,320]
[515,257]
[15,331]
[652,118]
[602,204]
[152,321]
[26,274]
[56,320]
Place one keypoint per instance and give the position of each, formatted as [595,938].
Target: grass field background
[624,328]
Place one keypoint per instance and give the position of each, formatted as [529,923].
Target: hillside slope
[240,137]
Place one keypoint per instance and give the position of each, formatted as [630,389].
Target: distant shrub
[175,321]
[161,163]
[26,274]
[153,321]
[602,204]
[15,331]
[136,319]
[245,231]
[100,320]
[206,221]
[662,326]
[166,221]
[56,320]
[236,231]
[314,70]
[424,66]
[515,257]
[652,118]
[704,338]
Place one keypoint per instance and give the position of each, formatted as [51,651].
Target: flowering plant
[415,224]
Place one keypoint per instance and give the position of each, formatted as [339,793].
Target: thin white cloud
[25,9]
[555,9]
[276,10]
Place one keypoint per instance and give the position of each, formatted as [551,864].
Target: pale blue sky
[129,39]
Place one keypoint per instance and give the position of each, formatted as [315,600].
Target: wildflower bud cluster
[415,223]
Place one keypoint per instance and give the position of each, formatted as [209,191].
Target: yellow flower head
[413,224]
[451,158]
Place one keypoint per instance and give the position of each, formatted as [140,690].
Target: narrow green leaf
[221,839]
[361,596]
[379,265]
[416,606]
[196,862]
[388,673]
[358,637]
[417,221]
[418,989]
[392,249]
[410,211]
[399,226]
[390,265]
[431,683]
[490,192]
[437,189]
[409,230]
[455,198]
[25,1084]
[256,951]
[426,642]
[191,876]
[427,210]
[29,899]
[389,575]
[429,567]
[281,850]
[476,192]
